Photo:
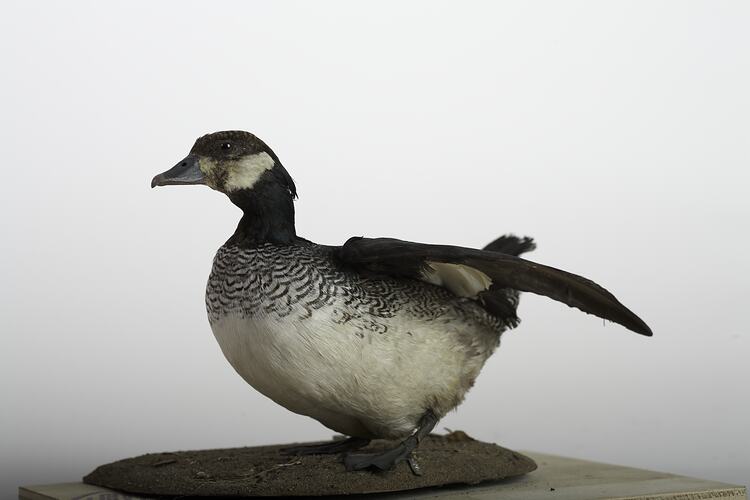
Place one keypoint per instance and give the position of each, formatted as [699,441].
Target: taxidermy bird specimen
[377,338]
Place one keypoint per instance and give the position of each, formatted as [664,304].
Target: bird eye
[226,146]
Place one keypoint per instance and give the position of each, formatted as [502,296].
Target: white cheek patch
[463,281]
[246,172]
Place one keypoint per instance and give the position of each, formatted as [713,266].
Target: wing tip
[645,331]
[637,325]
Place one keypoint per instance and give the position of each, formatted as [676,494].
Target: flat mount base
[264,471]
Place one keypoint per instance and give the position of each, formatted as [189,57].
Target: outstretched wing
[467,272]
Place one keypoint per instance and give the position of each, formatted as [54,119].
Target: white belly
[378,385]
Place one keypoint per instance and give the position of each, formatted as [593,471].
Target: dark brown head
[244,168]
[228,161]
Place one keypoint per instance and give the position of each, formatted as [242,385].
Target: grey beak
[185,172]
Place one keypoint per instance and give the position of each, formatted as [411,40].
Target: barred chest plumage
[266,280]
[363,355]
[279,280]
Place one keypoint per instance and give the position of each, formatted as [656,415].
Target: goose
[377,338]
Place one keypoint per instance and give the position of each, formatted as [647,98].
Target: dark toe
[329,448]
[297,450]
[384,461]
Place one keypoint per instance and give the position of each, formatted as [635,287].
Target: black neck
[268,215]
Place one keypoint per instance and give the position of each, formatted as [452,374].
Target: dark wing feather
[406,259]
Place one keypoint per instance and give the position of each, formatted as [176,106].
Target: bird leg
[386,460]
[337,446]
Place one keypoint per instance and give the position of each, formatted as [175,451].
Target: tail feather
[502,302]
[511,245]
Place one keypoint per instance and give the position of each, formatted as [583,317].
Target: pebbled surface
[452,459]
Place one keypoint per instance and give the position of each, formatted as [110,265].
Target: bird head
[233,162]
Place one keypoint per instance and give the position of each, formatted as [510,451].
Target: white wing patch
[461,280]
[246,172]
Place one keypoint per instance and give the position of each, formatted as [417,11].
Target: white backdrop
[615,133]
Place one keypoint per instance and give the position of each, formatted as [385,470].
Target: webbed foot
[386,460]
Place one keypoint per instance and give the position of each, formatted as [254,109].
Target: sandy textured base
[263,471]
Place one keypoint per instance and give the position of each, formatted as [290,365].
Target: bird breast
[365,358]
